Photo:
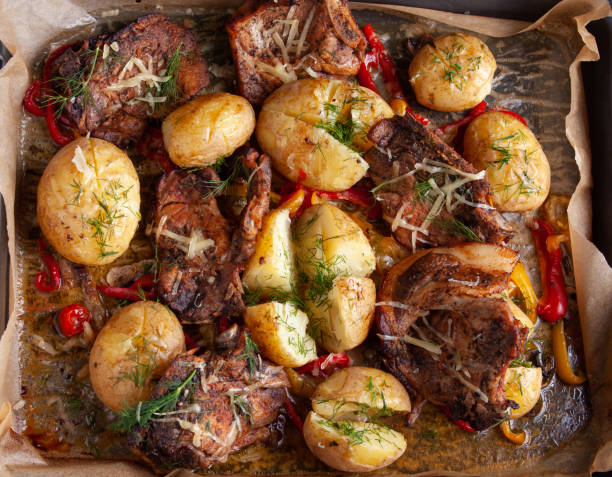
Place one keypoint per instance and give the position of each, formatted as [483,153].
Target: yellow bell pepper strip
[399,106]
[293,202]
[520,278]
[555,211]
[517,438]
[562,364]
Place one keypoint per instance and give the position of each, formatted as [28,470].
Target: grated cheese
[80,163]
[145,75]
[426,345]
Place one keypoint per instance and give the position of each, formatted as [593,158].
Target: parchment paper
[27,29]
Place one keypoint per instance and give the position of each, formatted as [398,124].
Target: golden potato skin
[329,441]
[81,180]
[516,167]
[452,74]
[138,343]
[359,390]
[291,129]
[523,386]
[206,128]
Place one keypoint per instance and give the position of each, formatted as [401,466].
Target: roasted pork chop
[277,41]
[201,253]
[112,83]
[231,400]
[448,334]
[428,192]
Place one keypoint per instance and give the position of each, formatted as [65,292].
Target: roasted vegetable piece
[136,345]
[357,391]
[352,446]
[522,385]
[71,318]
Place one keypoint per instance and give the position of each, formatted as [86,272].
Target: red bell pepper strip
[552,305]
[325,365]
[31,99]
[474,113]
[510,113]
[126,293]
[293,414]
[364,76]
[48,280]
[71,318]
[459,422]
[146,281]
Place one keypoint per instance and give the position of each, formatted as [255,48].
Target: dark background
[598,87]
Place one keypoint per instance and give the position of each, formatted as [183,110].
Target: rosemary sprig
[143,412]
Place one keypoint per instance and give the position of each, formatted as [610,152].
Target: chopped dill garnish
[218,187]
[253,297]
[143,412]
[422,190]
[370,433]
[75,184]
[251,353]
[170,88]
[340,124]
[240,406]
[75,85]
[457,228]
[144,360]
[518,363]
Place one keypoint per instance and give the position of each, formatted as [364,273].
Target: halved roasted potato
[271,267]
[352,446]
[327,238]
[523,386]
[359,391]
[279,330]
[341,319]
[318,127]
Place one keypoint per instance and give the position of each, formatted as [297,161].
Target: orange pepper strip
[562,364]
[293,202]
[517,438]
[520,278]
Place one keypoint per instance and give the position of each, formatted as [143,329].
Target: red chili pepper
[364,76]
[48,280]
[32,98]
[461,423]
[71,318]
[474,113]
[146,281]
[293,414]
[325,365]
[126,293]
[54,130]
[552,306]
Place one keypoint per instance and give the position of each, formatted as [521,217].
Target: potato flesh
[271,267]
[88,201]
[342,319]
[324,232]
[358,391]
[279,330]
[206,128]
[440,84]
[352,446]
[523,386]
[515,164]
[287,130]
[137,344]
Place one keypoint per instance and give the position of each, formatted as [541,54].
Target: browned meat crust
[114,115]
[333,43]
[403,143]
[458,307]
[220,426]
[206,285]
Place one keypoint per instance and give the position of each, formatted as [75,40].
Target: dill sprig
[143,412]
[240,406]
[518,363]
[422,190]
[75,85]
[322,273]
[170,88]
[144,360]
[369,433]
[340,124]
[251,353]
[218,187]
[254,297]
[457,228]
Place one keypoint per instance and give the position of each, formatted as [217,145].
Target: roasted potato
[327,238]
[207,128]
[359,391]
[520,315]
[516,167]
[137,344]
[352,446]
[341,318]
[452,73]
[317,127]
[271,267]
[523,385]
[279,330]
[89,201]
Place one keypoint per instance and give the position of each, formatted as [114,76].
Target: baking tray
[598,87]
